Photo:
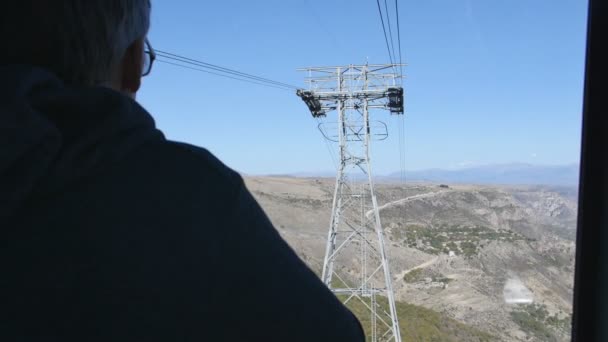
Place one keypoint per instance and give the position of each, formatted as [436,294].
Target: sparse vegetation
[413,276]
[468,248]
[294,200]
[563,324]
[535,320]
[442,279]
[460,239]
[419,324]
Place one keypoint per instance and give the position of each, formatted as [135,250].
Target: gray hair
[79,40]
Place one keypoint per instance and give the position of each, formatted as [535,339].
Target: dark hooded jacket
[110,232]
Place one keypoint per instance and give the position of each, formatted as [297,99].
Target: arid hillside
[498,260]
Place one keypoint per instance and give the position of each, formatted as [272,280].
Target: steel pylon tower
[356,266]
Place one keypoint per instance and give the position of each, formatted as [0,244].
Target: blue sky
[488,81]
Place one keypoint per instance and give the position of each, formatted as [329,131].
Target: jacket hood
[52,134]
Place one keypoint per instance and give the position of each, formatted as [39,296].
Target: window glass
[475,184]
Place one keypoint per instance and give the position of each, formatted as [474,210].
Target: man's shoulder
[187,162]
[173,173]
[186,158]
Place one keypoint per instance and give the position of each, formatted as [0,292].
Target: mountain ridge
[497,174]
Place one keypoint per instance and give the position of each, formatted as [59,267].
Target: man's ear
[132,66]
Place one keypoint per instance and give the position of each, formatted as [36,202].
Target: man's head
[92,42]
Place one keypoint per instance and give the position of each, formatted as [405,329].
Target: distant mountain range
[507,174]
[523,174]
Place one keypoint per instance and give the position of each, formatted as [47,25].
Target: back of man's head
[82,42]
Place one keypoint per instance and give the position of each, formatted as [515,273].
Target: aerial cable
[388,48]
[222,75]
[320,125]
[402,119]
[222,69]
[390,30]
[399,37]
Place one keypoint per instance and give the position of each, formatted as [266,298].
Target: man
[110,232]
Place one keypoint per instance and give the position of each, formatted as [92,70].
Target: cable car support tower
[356,266]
